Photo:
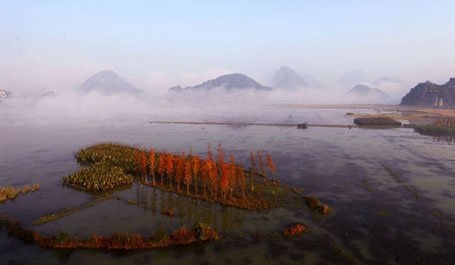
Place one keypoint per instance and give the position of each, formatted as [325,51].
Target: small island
[111,166]
[376,122]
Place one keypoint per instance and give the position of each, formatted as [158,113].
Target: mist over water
[72,106]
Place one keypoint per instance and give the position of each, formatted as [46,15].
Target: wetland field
[391,191]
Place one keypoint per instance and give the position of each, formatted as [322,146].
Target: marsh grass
[377,122]
[10,193]
[117,241]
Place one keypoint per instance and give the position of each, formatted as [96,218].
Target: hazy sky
[155,44]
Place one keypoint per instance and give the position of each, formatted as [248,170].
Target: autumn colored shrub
[205,232]
[117,241]
[314,204]
[183,235]
[294,230]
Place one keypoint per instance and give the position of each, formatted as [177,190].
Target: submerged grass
[117,241]
[71,210]
[10,193]
[315,204]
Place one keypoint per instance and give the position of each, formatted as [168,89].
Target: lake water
[392,191]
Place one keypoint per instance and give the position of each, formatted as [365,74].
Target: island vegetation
[161,238]
[439,127]
[10,193]
[110,166]
[315,204]
[377,122]
[212,179]
[294,230]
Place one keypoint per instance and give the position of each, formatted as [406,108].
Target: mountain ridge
[429,94]
[107,82]
[228,81]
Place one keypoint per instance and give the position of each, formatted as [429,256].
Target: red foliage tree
[270,164]
[196,166]
[161,167]
[187,178]
[213,176]
[253,162]
[143,165]
[242,180]
[233,177]
[180,169]
[209,153]
[253,169]
[220,156]
[224,182]
[152,165]
[206,169]
[169,168]
[261,163]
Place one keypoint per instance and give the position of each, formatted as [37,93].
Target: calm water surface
[392,191]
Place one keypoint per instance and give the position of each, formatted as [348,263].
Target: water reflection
[444,139]
[187,210]
[377,218]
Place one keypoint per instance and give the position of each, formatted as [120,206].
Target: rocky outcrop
[429,94]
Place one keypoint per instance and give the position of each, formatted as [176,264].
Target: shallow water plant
[377,122]
[294,230]
[117,241]
[316,205]
[10,193]
[100,176]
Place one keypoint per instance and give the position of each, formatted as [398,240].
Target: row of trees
[446,122]
[216,178]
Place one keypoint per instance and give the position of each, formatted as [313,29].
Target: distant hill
[352,78]
[229,81]
[367,94]
[313,81]
[5,94]
[107,82]
[429,94]
[286,77]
